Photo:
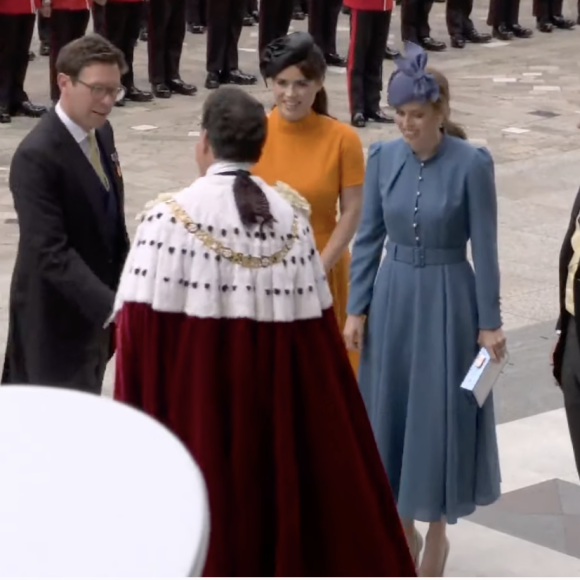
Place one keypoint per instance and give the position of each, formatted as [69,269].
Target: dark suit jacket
[67,269]
[566,254]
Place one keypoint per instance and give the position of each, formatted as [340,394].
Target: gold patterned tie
[95,159]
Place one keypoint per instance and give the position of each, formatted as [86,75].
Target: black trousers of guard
[122,23]
[301,6]
[196,12]
[43,25]
[16,32]
[225,20]
[98,19]
[545,10]
[457,15]
[145,16]
[166,35]
[252,6]
[506,12]
[275,19]
[368,38]
[571,386]
[415,19]
[65,26]
[322,22]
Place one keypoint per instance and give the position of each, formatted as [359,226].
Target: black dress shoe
[248,21]
[178,87]
[457,42]
[161,91]
[44,49]
[298,15]
[544,26]
[5,116]
[237,77]
[358,120]
[502,32]
[391,53]
[521,32]
[477,37]
[378,116]
[28,109]
[431,44]
[256,16]
[345,10]
[196,28]
[212,81]
[31,56]
[121,102]
[578,19]
[563,23]
[144,35]
[335,60]
[138,96]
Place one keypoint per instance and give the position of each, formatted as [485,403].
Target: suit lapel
[78,164]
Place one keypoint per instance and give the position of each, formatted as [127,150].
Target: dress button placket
[416,213]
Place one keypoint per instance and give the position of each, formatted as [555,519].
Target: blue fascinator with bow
[410,82]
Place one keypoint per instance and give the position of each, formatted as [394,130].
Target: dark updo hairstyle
[236,125]
[297,49]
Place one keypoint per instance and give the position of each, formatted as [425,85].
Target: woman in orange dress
[316,155]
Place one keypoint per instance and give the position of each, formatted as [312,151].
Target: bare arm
[350,210]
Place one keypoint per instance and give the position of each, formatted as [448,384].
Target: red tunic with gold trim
[227,335]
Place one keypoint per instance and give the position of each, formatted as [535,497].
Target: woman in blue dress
[420,316]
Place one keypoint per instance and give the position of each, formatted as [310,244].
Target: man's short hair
[88,50]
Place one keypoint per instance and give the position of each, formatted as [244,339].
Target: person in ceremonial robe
[16,30]
[225,19]
[67,186]
[166,27]
[122,24]
[227,335]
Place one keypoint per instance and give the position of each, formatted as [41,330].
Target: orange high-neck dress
[319,157]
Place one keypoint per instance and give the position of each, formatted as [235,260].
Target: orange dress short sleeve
[319,157]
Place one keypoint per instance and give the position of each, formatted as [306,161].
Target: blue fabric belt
[420,257]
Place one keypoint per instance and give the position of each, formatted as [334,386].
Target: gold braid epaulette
[298,202]
[244,260]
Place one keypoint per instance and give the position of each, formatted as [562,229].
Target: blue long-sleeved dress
[425,307]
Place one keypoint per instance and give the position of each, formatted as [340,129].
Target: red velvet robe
[248,367]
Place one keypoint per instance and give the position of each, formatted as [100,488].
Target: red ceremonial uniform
[71,4]
[19,6]
[375,5]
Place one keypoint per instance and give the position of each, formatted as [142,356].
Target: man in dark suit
[67,187]
[165,45]
[566,355]
[16,30]
[196,16]
[503,17]
[548,15]
[415,24]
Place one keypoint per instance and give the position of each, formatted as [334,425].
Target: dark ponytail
[320,105]
[251,201]
[453,129]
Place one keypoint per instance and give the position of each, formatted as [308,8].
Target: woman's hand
[353,331]
[494,342]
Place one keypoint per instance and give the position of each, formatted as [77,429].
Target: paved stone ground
[522,100]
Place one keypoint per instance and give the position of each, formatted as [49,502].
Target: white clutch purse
[482,376]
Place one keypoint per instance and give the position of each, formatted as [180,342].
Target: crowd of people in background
[163,26]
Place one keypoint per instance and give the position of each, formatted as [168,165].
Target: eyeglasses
[100,92]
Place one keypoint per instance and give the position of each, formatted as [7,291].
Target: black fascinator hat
[287,51]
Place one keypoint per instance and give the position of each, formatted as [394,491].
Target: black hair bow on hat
[284,52]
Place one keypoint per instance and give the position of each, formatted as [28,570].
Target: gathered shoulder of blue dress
[425,305]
